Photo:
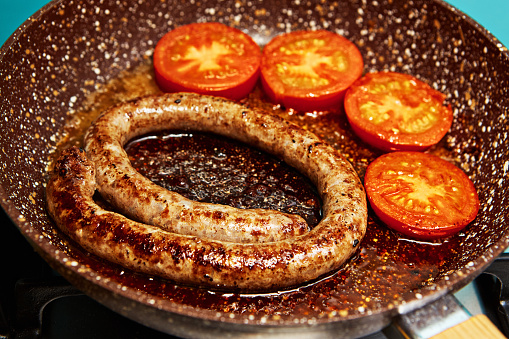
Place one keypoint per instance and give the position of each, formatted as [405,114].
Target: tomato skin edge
[233,93]
[414,232]
[380,143]
[331,101]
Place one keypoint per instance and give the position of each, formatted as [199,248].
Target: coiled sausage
[202,261]
[141,199]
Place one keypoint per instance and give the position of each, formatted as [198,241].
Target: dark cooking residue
[215,169]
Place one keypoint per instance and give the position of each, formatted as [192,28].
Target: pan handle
[434,321]
[497,289]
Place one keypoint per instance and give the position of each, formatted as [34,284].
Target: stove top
[36,302]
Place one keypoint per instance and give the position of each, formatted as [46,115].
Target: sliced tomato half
[397,112]
[207,58]
[309,70]
[420,195]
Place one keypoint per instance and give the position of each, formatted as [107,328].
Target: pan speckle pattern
[70,49]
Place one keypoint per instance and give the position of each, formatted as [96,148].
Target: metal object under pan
[69,47]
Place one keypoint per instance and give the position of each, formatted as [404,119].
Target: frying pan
[70,49]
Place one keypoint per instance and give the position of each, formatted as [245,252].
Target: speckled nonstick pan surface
[70,48]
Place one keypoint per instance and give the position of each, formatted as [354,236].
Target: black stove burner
[35,302]
[494,289]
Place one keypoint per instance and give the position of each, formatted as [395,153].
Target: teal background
[492,14]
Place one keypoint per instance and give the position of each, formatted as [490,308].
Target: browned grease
[384,272]
[214,169]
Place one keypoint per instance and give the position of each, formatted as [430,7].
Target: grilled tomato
[309,70]
[207,58]
[420,194]
[397,112]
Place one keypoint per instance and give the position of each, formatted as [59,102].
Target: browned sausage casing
[203,261]
[141,199]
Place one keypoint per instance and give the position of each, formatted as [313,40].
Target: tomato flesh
[420,195]
[397,112]
[309,70]
[207,58]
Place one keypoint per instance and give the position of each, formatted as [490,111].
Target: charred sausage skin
[203,261]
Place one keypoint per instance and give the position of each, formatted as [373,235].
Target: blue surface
[492,14]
